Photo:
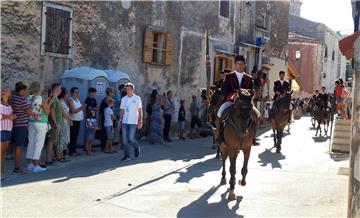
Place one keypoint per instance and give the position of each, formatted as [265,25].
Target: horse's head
[283,103]
[243,107]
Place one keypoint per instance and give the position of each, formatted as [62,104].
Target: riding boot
[218,138]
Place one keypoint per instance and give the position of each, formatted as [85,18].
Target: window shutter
[169,45]
[148,46]
[229,63]
[57,31]
[216,68]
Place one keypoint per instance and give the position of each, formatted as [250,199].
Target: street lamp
[298,55]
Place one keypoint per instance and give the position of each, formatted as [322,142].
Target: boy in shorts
[109,118]
[91,127]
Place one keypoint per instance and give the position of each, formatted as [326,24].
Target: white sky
[336,14]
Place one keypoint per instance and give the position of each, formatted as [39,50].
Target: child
[91,127]
[91,106]
[109,118]
[181,120]
[6,124]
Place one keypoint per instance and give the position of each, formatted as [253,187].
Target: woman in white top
[64,136]
[77,115]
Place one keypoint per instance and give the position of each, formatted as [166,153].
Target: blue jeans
[128,136]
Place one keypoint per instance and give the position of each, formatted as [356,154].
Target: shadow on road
[320,139]
[101,163]
[198,170]
[268,157]
[201,207]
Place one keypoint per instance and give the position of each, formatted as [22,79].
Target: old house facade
[332,64]
[272,29]
[306,55]
[159,44]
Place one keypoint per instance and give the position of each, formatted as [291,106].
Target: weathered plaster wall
[107,35]
[354,178]
[308,66]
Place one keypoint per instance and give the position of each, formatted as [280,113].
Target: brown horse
[322,116]
[238,133]
[279,118]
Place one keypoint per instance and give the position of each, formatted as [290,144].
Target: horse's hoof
[242,182]
[278,150]
[231,197]
[223,181]
[217,156]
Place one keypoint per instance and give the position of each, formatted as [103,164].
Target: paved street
[182,179]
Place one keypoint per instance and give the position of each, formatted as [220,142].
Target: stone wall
[109,35]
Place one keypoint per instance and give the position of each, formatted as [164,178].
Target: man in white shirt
[130,119]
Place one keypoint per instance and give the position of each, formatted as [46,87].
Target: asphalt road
[182,179]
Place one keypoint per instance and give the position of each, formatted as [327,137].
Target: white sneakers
[35,169]
[29,167]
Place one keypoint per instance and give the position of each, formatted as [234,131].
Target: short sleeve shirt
[107,116]
[131,106]
[90,102]
[19,105]
[57,108]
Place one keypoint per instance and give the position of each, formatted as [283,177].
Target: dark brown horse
[238,133]
[279,118]
[322,114]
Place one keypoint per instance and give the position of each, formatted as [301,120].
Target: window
[157,47]
[220,63]
[56,35]
[225,8]
[333,56]
[326,53]
[267,22]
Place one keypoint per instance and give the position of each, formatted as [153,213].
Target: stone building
[308,62]
[272,27]
[159,44]
[333,64]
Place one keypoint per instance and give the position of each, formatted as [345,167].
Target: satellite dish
[126,4]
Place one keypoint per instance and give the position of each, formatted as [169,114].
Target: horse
[311,111]
[238,132]
[279,118]
[322,114]
[216,99]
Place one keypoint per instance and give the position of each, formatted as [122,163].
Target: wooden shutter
[216,68]
[148,46]
[57,31]
[229,63]
[168,51]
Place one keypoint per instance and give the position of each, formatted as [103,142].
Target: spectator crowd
[46,123]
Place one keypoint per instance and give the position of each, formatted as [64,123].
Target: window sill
[51,54]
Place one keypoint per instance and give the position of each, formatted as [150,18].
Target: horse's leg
[274,132]
[232,182]
[244,169]
[218,152]
[317,129]
[223,158]
[279,139]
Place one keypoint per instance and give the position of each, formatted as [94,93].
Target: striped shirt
[6,124]
[19,105]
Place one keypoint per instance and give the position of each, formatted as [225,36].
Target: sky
[336,14]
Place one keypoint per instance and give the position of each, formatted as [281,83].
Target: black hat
[239,58]
[225,71]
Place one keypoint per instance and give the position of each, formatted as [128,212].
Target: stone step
[340,148]
[343,141]
[342,128]
[343,122]
[342,134]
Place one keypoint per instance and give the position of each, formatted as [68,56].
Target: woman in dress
[155,130]
[64,137]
